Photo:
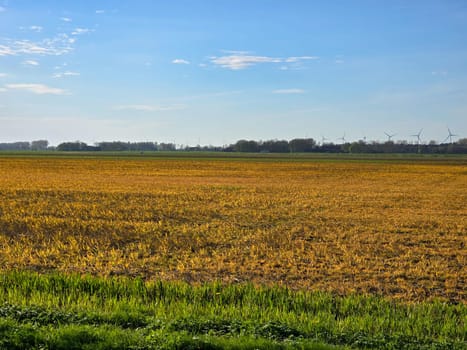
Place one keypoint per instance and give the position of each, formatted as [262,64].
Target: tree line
[310,145]
[297,145]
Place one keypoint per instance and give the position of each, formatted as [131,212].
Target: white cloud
[300,58]
[39,89]
[28,47]
[241,60]
[3,75]
[65,19]
[2,9]
[180,61]
[6,51]
[237,62]
[148,108]
[58,45]
[442,73]
[30,63]
[36,28]
[3,89]
[236,52]
[66,74]
[79,31]
[100,12]
[64,64]
[288,91]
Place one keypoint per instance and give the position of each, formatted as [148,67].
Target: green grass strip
[138,314]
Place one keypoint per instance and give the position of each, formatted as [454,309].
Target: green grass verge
[57,311]
[460,159]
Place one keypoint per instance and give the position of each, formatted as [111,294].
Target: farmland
[392,229]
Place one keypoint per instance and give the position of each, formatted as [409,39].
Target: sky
[212,72]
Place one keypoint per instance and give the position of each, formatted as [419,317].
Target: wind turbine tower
[342,138]
[390,136]
[418,136]
[450,135]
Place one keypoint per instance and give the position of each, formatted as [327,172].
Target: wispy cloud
[30,63]
[39,89]
[148,108]
[3,75]
[289,91]
[98,12]
[180,61]
[2,89]
[58,45]
[64,64]
[300,58]
[441,73]
[66,74]
[6,51]
[236,52]
[2,9]
[237,62]
[80,31]
[65,19]
[36,28]
[241,60]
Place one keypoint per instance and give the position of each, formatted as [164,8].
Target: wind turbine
[323,139]
[342,138]
[418,136]
[390,136]
[450,135]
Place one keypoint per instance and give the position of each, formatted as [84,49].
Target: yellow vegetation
[378,227]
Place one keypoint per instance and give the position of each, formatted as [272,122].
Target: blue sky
[215,71]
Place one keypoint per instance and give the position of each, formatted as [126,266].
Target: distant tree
[15,146]
[166,147]
[274,146]
[246,146]
[358,147]
[39,145]
[114,146]
[143,146]
[302,145]
[75,147]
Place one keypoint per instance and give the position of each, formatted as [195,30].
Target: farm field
[392,230]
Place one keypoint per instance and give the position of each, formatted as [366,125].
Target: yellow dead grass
[389,228]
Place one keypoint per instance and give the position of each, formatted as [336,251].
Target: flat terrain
[392,226]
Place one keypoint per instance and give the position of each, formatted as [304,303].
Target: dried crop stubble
[389,228]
